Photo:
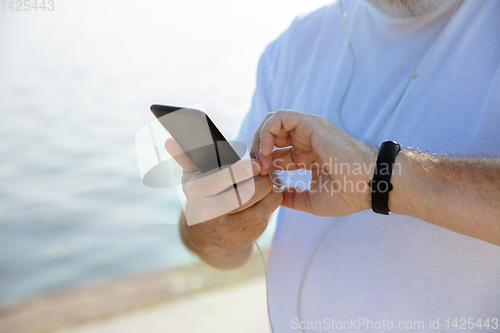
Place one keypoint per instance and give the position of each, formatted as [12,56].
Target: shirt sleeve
[262,101]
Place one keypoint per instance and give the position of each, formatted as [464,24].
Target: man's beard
[406,8]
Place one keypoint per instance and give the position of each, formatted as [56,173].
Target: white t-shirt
[393,268]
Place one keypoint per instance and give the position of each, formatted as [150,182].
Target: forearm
[459,194]
[194,239]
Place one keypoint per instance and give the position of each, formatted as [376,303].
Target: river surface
[75,87]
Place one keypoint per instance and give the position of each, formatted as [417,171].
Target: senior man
[354,65]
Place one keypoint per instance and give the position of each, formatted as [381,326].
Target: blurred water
[75,86]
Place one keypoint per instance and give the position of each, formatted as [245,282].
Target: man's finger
[258,212]
[273,133]
[297,198]
[282,160]
[263,186]
[215,181]
[256,137]
[202,209]
[286,159]
[180,156]
[281,122]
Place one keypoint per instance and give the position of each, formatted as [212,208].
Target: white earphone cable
[412,76]
[307,269]
[414,73]
[267,286]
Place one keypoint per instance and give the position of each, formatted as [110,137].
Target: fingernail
[260,147]
[257,165]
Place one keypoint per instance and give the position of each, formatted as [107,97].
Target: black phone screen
[197,135]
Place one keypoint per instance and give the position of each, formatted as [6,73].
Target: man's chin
[406,8]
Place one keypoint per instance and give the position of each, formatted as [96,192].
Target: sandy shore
[195,298]
[239,307]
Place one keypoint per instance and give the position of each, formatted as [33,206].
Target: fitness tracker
[381,182]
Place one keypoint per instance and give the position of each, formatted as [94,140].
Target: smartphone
[197,135]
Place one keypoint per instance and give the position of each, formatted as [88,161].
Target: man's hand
[225,237]
[341,167]
[459,194]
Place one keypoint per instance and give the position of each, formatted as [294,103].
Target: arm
[219,232]
[459,194]
[195,240]
[219,242]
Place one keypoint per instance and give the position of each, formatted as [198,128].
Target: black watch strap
[381,183]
